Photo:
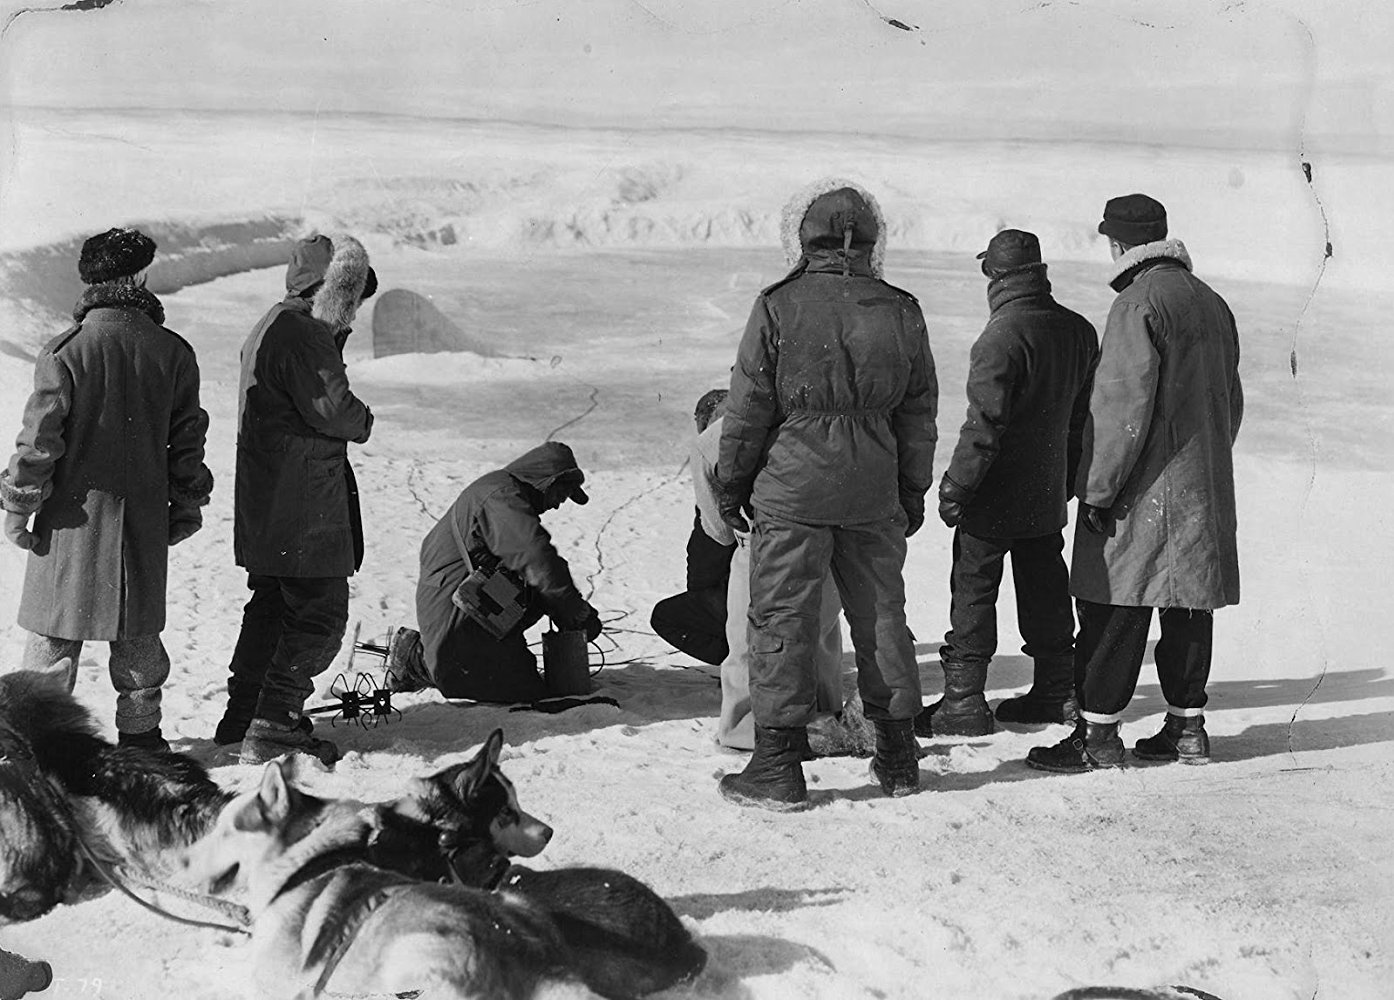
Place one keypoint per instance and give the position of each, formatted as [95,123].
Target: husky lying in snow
[138,809]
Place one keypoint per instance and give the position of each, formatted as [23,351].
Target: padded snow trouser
[465,661]
[292,628]
[788,564]
[138,666]
[1112,643]
[1042,583]
[694,622]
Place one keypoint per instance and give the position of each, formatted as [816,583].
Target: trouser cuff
[1099,718]
[1185,713]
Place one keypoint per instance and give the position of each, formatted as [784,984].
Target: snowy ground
[1264,876]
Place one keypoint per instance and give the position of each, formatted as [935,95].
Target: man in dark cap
[828,438]
[109,467]
[1005,492]
[491,544]
[1156,526]
[296,526]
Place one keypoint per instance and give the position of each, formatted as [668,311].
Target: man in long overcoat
[109,464]
[1157,518]
[1005,492]
[297,528]
[829,437]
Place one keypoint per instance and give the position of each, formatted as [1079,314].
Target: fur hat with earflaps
[335,270]
[846,200]
[116,253]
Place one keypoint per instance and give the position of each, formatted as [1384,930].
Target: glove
[183,522]
[1094,518]
[913,505]
[17,530]
[593,626]
[734,507]
[952,499]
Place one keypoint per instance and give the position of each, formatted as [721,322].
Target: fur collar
[339,295]
[119,295]
[1121,276]
[797,207]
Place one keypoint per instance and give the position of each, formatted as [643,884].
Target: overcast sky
[1222,72]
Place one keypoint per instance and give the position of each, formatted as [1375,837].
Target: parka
[295,502]
[113,434]
[1027,400]
[830,418]
[1157,452]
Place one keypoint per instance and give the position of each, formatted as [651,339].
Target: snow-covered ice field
[612,268]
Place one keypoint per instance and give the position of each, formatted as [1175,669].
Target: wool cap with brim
[116,253]
[1134,219]
[1009,250]
[573,481]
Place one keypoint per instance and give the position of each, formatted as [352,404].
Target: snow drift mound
[405,322]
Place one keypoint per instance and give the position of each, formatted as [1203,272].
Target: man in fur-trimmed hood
[297,528]
[829,438]
[1156,525]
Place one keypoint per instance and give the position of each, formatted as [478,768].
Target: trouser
[694,622]
[462,660]
[735,727]
[138,667]
[1042,583]
[1108,658]
[292,628]
[789,562]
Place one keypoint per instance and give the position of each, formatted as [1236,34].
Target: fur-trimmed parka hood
[338,264]
[1125,267]
[830,207]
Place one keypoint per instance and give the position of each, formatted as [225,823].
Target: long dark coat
[1027,399]
[113,432]
[295,504]
[1163,416]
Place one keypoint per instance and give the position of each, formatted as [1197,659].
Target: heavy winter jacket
[113,435]
[295,503]
[1163,415]
[1027,399]
[499,515]
[830,419]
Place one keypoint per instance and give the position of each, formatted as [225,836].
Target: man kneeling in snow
[488,547]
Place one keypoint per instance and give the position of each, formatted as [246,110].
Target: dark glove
[733,504]
[17,530]
[953,498]
[1094,518]
[593,626]
[913,504]
[183,522]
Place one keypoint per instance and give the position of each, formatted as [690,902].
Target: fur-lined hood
[339,265]
[1122,273]
[791,221]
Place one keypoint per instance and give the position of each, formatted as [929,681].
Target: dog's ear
[275,794]
[493,746]
[467,780]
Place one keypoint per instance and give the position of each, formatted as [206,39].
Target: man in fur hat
[109,467]
[1156,526]
[829,438]
[297,528]
[1005,490]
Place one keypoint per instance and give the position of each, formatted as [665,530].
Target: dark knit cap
[1134,219]
[114,254]
[707,406]
[1008,250]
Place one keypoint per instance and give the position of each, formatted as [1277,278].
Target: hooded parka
[296,503]
[1157,455]
[113,434]
[1027,400]
[498,515]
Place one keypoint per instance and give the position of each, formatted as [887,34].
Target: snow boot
[896,766]
[773,779]
[150,739]
[406,662]
[1091,746]
[1051,698]
[848,734]
[1181,738]
[267,740]
[963,710]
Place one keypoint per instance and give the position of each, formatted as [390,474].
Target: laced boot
[266,740]
[1091,746]
[405,661]
[963,710]
[1051,698]
[1181,738]
[896,765]
[773,778]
